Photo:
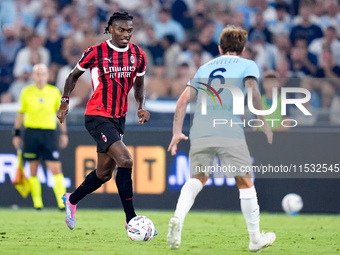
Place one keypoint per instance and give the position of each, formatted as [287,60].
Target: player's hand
[174,141]
[143,116]
[17,142]
[62,111]
[268,132]
[63,141]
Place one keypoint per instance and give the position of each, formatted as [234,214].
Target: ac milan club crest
[104,137]
[132,59]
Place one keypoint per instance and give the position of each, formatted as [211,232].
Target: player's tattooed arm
[143,115]
[70,83]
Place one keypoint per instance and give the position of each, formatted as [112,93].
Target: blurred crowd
[298,40]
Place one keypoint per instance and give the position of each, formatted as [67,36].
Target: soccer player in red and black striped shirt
[116,65]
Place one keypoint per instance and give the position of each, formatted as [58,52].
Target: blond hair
[233,39]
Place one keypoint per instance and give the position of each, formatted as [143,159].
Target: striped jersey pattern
[113,71]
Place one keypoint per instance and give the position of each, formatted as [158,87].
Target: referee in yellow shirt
[39,104]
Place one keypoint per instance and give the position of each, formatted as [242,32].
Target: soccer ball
[140,228]
[292,203]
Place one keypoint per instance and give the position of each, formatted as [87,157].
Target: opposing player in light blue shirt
[219,88]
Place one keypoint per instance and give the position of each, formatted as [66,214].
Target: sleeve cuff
[80,68]
[141,74]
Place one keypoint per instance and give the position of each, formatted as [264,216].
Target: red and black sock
[90,184]
[124,185]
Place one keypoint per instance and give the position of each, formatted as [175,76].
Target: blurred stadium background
[296,40]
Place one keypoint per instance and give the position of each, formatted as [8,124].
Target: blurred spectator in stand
[308,83]
[283,45]
[328,41]
[14,90]
[34,44]
[181,14]
[305,28]
[140,36]
[154,46]
[171,54]
[81,93]
[267,54]
[332,16]
[260,26]
[271,81]
[222,19]
[206,39]
[13,93]
[281,25]
[167,26]
[87,34]
[65,25]
[157,85]
[183,76]
[54,42]
[329,69]
[313,105]
[248,10]
[302,62]
[150,10]
[199,21]
[9,46]
[305,12]
[201,6]
[195,55]
[249,52]
[238,19]
[267,10]
[318,10]
[91,16]
[48,12]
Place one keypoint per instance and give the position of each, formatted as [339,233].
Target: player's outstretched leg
[186,199]
[251,213]
[90,184]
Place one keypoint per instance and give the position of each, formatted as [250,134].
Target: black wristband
[65,99]
[16,132]
[63,133]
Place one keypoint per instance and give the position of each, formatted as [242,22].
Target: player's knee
[104,175]
[126,162]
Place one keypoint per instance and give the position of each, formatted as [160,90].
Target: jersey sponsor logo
[119,71]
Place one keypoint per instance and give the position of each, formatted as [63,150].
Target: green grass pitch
[25,231]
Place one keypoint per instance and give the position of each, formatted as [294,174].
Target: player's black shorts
[40,143]
[105,131]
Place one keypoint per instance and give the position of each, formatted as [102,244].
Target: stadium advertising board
[158,177]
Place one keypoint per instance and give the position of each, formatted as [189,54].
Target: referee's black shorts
[41,143]
[105,131]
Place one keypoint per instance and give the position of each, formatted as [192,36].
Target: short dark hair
[117,16]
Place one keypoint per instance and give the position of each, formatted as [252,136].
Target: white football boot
[174,233]
[267,239]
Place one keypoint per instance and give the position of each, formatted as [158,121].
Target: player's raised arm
[70,83]
[251,82]
[138,86]
[188,95]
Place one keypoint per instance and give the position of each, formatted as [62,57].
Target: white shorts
[235,160]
